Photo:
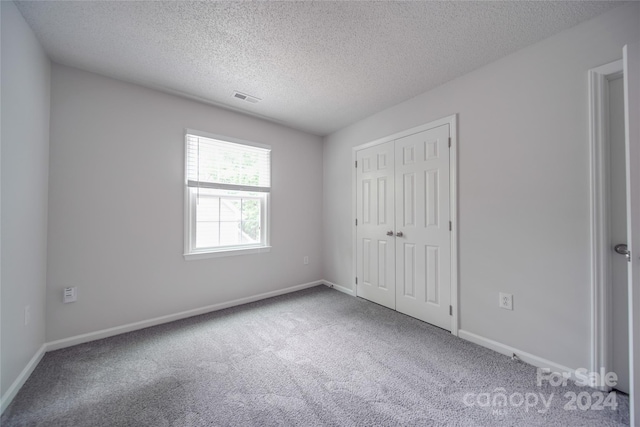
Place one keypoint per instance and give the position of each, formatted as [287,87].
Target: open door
[631,66]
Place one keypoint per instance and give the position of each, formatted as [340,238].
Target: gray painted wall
[116,206]
[24,176]
[523,186]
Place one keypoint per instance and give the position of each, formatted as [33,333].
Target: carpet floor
[316,357]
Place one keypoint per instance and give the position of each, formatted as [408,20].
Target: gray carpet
[314,357]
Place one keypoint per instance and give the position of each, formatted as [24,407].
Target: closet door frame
[453,191]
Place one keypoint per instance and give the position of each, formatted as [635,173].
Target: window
[227,185]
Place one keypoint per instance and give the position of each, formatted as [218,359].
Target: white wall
[24,177]
[116,206]
[523,186]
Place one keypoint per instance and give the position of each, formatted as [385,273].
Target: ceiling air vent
[245,97]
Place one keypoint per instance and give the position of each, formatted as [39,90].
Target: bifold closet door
[375,229]
[403,258]
[423,250]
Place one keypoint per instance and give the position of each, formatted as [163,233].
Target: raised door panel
[375,214]
[423,282]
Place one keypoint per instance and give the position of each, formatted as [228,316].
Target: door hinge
[356,164]
[450,310]
[356,280]
[449,142]
[450,226]
[356,222]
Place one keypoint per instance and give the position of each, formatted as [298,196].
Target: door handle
[399,234]
[622,249]
[389,233]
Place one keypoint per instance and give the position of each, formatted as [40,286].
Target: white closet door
[375,216]
[423,251]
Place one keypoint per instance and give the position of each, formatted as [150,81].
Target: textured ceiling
[317,66]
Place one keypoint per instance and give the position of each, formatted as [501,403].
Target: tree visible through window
[227,185]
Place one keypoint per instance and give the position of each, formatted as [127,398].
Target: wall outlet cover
[70,295]
[505,301]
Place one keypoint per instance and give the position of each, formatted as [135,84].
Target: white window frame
[190,200]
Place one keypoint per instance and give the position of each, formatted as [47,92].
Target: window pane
[207,219]
[227,218]
[250,232]
[250,210]
[230,233]
[207,207]
[207,235]
[230,209]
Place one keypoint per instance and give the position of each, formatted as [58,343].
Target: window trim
[189,212]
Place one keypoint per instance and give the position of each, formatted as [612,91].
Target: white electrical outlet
[70,295]
[27,315]
[305,260]
[506,301]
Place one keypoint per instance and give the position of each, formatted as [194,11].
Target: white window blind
[216,164]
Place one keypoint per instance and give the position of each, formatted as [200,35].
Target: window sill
[225,252]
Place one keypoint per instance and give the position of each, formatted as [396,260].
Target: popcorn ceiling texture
[317,66]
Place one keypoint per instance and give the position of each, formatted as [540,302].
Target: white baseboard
[339,288]
[510,351]
[105,333]
[22,378]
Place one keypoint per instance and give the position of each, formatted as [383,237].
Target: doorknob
[399,234]
[623,250]
[389,233]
